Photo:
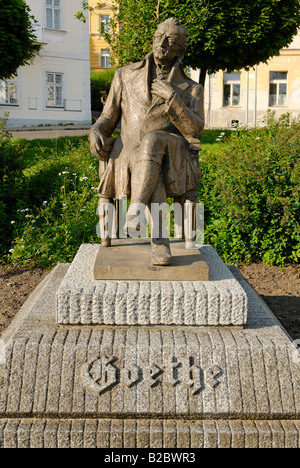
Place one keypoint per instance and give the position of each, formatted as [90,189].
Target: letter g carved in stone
[100,375]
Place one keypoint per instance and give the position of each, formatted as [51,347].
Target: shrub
[4,133]
[101,81]
[251,191]
[63,216]
[12,183]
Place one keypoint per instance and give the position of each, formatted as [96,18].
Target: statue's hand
[162,89]
[100,145]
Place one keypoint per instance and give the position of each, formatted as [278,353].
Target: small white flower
[84,178]
[258,138]
[59,174]
[82,210]
[13,222]
[11,251]
[45,202]
[33,221]
[65,172]
[27,209]
[32,228]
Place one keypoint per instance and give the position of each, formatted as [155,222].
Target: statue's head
[170,41]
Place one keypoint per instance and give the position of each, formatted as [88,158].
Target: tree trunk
[202,77]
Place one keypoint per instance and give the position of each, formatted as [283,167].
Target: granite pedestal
[143,385]
[131,259]
[218,301]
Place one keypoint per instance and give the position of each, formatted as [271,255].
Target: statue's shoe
[106,242]
[161,252]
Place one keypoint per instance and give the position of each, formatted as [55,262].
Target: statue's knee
[154,141]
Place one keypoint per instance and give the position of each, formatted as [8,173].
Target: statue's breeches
[171,152]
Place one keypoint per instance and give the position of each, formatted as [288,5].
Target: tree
[224,34]
[17,40]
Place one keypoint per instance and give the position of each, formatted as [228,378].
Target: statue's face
[166,44]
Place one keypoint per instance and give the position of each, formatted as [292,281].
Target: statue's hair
[185,35]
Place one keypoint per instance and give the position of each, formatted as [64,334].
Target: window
[53,14]
[9,92]
[104,24]
[54,88]
[232,89]
[278,89]
[104,57]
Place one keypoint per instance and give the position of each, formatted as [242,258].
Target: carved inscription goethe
[103,374]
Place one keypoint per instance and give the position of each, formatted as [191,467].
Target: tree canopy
[224,34]
[17,40]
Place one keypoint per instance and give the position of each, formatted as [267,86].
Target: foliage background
[17,40]
[101,81]
[224,34]
[251,191]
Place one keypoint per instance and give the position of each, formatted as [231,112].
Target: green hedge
[101,81]
[56,211]
[251,191]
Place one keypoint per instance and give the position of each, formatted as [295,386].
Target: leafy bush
[4,133]
[101,81]
[55,233]
[12,182]
[251,191]
[57,211]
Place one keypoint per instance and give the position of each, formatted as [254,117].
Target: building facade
[243,98]
[55,88]
[99,24]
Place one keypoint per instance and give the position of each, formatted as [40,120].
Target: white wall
[65,51]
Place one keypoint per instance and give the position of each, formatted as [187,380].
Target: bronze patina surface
[162,119]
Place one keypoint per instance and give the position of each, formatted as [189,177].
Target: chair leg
[106,220]
[179,218]
[190,223]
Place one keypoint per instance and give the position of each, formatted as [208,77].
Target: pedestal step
[218,302]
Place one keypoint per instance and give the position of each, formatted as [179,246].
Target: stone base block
[160,387]
[130,259]
[218,302]
[147,433]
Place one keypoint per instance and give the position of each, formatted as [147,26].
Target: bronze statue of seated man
[161,113]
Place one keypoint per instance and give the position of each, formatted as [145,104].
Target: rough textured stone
[105,433]
[101,386]
[83,300]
